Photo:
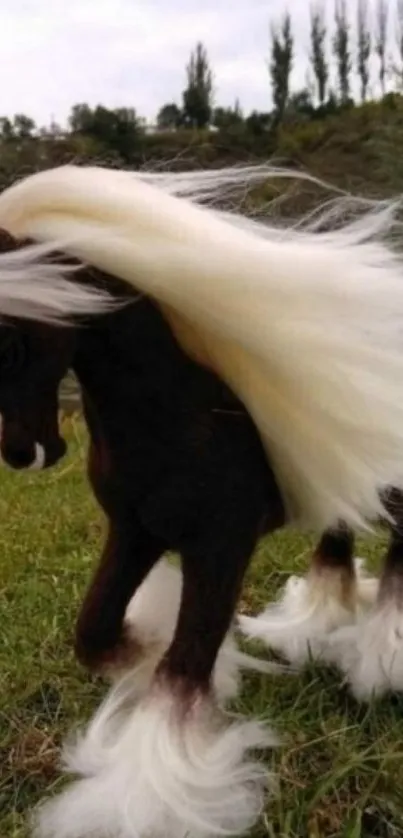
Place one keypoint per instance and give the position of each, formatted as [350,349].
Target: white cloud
[54,53]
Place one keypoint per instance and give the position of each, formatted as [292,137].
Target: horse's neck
[131,370]
[155,417]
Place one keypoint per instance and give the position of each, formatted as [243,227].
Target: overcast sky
[54,53]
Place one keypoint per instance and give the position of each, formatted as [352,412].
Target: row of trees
[352,51]
[356,52]
[369,41]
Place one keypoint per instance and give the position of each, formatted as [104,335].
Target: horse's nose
[19,458]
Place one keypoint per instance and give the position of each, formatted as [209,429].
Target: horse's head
[34,358]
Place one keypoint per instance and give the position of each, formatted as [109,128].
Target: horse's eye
[12,352]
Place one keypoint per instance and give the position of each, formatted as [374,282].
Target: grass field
[341,766]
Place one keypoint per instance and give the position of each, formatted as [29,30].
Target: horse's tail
[306,327]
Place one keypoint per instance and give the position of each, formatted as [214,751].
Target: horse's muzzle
[34,457]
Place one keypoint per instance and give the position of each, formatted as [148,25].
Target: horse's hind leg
[371,652]
[331,595]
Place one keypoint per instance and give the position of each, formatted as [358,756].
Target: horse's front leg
[184,767]
[129,554]
[166,760]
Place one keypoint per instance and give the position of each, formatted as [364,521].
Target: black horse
[174,461]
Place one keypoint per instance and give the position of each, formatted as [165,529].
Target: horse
[204,393]
[174,462]
[171,448]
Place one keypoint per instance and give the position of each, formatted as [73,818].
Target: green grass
[340,767]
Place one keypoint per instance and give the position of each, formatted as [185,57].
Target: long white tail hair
[305,326]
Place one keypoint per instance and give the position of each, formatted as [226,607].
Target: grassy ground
[341,767]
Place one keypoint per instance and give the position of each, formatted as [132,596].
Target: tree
[224,118]
[257,123]
[300,105]
[81,119]
[198,95]
[400,33]
[280,67]
[117,129]
[126,132]
[363,47]
[6,129]
[24,126]
[341,49]
[397,67]
[318,53]
[381,39]
[331,106]
[169,117]
[21,127]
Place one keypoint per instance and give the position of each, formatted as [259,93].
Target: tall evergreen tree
[198,95]
[381,40]
[341,49]
[398,66]
[280,66]
[363,47]
[318,51]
